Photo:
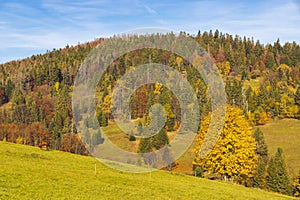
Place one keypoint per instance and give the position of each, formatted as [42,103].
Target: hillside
[284,133]
[35,93]
[261,81]
[30,173]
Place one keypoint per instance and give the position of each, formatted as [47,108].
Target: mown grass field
[115,134]
[30,173]
[284,133]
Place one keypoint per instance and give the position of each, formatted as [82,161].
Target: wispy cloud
[150,10]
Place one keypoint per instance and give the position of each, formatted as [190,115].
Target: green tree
[145,145]
[102,118]
[97,138]
[297,100]
[261,146]
[140,128]
[259,178]
[277,179]
[17,98]
[160,139]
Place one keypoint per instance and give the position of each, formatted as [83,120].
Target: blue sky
[31,27]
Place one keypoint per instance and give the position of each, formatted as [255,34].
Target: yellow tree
[107,105]
[158,88]
[233,156]
[296,186]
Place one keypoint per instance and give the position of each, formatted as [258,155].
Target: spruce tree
[140,128]
[160,139]
[297,100]
[102,119]
[258,179]
[261,146]
[97,138]
[145,148]
[262,152]
[145,145]
[277,178]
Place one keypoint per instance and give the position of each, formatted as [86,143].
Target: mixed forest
[261,83]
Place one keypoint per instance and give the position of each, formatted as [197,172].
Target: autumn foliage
[233,156]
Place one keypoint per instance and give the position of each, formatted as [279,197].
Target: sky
[30,27]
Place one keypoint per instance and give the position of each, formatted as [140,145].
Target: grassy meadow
[284,133]
[30,173]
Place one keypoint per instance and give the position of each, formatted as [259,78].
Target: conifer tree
[145,145]
[140,128]
[297,100]
[259,178]
[261,146]
[277,178]
[160,139]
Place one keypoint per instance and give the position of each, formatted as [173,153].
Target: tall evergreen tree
[277,178]
[160,139]
[261,146]
[145,145]
[259,177]
[297,100]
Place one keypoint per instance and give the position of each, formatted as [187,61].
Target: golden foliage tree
[233,156]
[296,186]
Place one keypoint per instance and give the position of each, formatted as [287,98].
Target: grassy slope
[121,140]
[284,133]
[30,173]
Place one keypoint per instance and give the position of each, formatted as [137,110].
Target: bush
[198,172]
[132,138]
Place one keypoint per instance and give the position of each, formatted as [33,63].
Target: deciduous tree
[233,156]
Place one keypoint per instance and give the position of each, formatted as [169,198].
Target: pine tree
[160,139]
[102,118]
[262,152]
[261,146]
[17,98]
[145,148]
[297,100]
[97,138]
[259,178]
[277,178]
[145,145]
[140,128]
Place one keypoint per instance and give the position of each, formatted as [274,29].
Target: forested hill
[35,92]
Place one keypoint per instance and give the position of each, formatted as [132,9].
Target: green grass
[30,173]
[119,138]
[284,133]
